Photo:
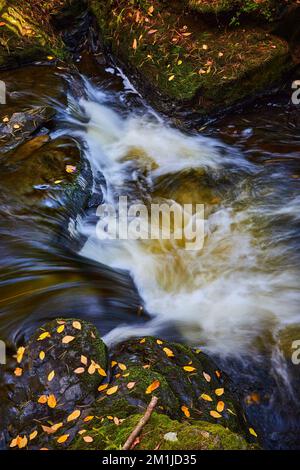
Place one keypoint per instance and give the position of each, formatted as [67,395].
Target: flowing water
[237,297]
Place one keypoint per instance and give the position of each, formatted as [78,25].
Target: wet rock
[63,364]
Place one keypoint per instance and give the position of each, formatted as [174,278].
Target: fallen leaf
[215,414]
[56,427]
[112,390]
[219,392]
[207,377]
[101,371]
[218,373]
[83,360]
[159,341]
[33,435]
[122,366]
[73,415]
[131,385]
[22,442]
[134,44]
[189,368]
[51,401]
[51,376]
[220,406]
[116,421]
[113,363]
[143,341]
[63,438]
[206,397]
[251,430]
[18,372]
[171,78]
[82,431]
[79,370]
[186,411]
[102,387]
[67,339]
[48,429]
[88,418]
[60,329]
[92,369]
[14,442]
[88,439]
[44,335]
[76,325]
[42,355]
[168,352]
[43,399]
[71,169]
[152,387]
[20,354]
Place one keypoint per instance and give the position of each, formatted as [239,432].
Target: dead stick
[142,422]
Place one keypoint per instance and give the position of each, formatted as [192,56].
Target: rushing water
[237,297]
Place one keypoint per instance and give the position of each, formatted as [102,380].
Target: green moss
[198,436]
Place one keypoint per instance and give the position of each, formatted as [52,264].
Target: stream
[237,298]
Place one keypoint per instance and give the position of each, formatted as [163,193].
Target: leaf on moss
[168,352]
[252,432]
[215,414]
[88,439]
[206,397]
[76,325]
[112,390]
[18,371]
[43,399]
[60,329]
[88,418]
[220,406]
[20,354]
[131,385]
[122,366]
[67,339]
[73,416]
[63,438]
[152,387]
[207,377]
[79,370]
[42,355]
[189,369]
[84,360]
[51,401]
[219,392]
[44,335]
[33,435]
[186,411]
[51,376]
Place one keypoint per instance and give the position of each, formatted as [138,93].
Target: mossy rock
[186,62]
[199,435]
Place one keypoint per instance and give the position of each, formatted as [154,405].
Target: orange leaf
[88,418]
[51,401]
[63,438]
[168,352]
[215,414]
[153,387]
[112,390]
[220,406]
[18,372]
[43,399]
[33,435]
[219,391]
[122,366]
[206,397]
[73,415]
[186,411]
[22,442]
[101,371]
[134,44]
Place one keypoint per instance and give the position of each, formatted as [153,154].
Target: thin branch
[143,421]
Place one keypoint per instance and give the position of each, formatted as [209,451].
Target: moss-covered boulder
[161,433]
[183,60]
[56,381]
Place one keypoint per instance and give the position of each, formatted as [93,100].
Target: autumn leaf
[131,385]
[14,442]
[113,363]
[51,376]
[48,429]
[67,339]
[60,329]
[122,366]
[79,370]
[215,414]
[186,411]
[134,44]
[207,377]
[63,438]
[20,354]
[171,78]
[143,340]
[51,401]
[22,442]
[18,372]
[168,352]
[88,418]
[220,406]
[88,439]
[112,390]
[218,373]
[251,430]
[116,421]
[73,416]
[71,169]
[206,397]
[44,335]
[84,360]
[101,371]
[42,355]
[56,427]
[92,368]
[43,399]
[189,369]
[33,435]
[159,341]
[219,391]
[152,387]
[76,325]
[102,387]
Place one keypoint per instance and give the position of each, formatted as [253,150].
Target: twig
[142,422]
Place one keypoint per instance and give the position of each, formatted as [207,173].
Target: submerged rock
[67,393]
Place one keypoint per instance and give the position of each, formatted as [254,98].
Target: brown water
[239,298]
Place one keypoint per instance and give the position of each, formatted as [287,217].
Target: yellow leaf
[126,375]
[112,390]
[88,439]
[207,377]
[143,341]
[51,376]
[102,387]
[71,169]
[179,62]
[186,411]
[44,335]
[122,366]
[92,369]
[113,363]
[153,387]
[76,325]
[101,371]
[88,418]
[206,397]
[18,372]
[48,429]
[168,352]
[218,374]
[42,355]
[159,341]
[189,368]
[134,44]
[79,370]
[151,10]
[73,415]
[171,78]
[43,399]
[33,435]
[20,354]
[131,385]
[215,414]
[60,329]
[22,442]
[219,391]
[82,431]
[220,406]
[63,438]
[14,442]
[51,401]
[56,427]
[251,430]
[67,339]
[84,360]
